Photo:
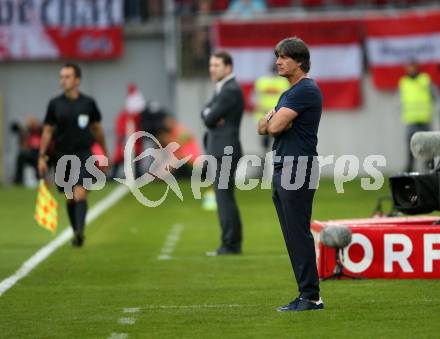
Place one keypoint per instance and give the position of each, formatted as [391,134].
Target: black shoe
[300,304]
[224,251]
[78,239]
[74,241]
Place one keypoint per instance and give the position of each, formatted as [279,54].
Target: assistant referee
[73,121]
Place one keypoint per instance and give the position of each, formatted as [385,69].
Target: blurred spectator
[29,137]
[175,131]
[184,7]
[202,47]
[128,122]
[154,8]
[267,90]
[191,7]
[246,8]
[132,11]
[203,7]
[139,11]
[153,118]
[156,121]
[416,99]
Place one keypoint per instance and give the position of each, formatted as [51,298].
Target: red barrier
[395,247]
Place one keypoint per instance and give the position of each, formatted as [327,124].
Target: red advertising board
[394,247]
[65,29]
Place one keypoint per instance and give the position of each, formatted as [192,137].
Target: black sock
[71,213]
[80,215]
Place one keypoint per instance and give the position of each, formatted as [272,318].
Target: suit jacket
[228,105]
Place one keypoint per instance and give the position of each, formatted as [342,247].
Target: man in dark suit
[222,117]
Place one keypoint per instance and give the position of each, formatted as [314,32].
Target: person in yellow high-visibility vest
[417,102]
[267,91]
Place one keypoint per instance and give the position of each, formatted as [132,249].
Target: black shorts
[83,173]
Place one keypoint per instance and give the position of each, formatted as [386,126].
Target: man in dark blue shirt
[294,124]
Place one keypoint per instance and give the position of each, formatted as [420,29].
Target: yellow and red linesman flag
[46,208]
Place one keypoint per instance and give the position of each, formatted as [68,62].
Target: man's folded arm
[219,109]
[281,121]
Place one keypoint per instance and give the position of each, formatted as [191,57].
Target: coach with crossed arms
[222,118]
[294,124]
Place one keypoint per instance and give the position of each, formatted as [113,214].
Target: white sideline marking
[47,250]
[244,256]
[131,309]
[152,307]
[126,321]
[118,336]
[171,241]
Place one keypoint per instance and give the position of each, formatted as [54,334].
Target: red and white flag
[393,41]
[80,29]
[335,47]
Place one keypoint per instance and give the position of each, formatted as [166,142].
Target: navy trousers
[294,209]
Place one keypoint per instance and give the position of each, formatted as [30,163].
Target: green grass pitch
[85,293]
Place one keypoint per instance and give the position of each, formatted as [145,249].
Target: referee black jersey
[71,120]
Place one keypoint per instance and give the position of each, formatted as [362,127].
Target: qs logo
[163,160]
